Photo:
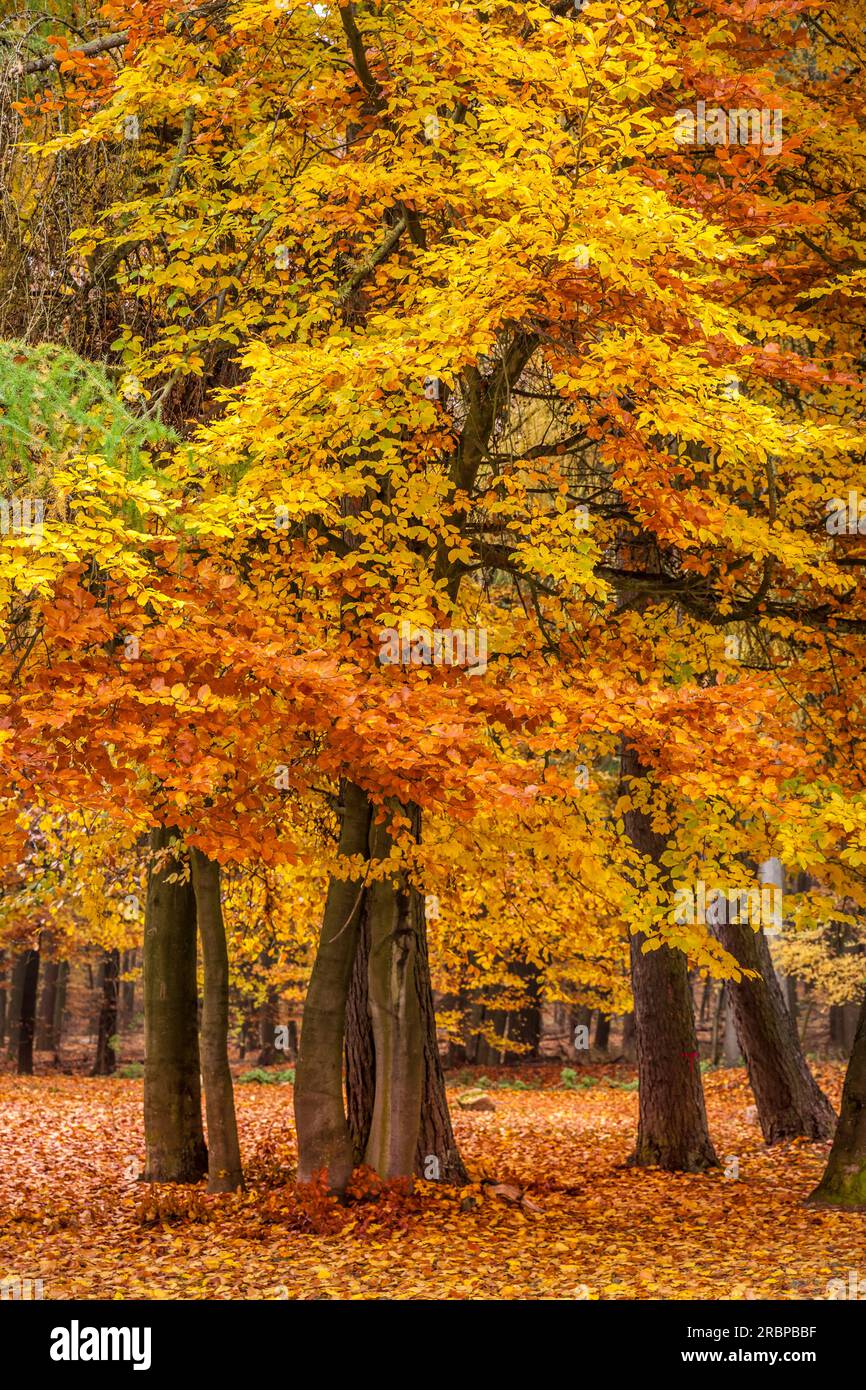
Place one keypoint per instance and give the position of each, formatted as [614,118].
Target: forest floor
[552,1213]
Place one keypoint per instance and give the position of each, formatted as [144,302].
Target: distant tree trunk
[844,1181]
[4,995]
[602,1032]
[225,1173]
[15,991]
[716,1038]
[47,1002]
[27,1024]
[267,1021]
[706,993]
[672,1127]
[172,1087]
[455,1055]
[60,1008]
[843,1027]
[521,1025]
[249,1031]
[581,1017]
[731,1046]
[324,1143]
[127,989]
[106,1056]
[790,1103]
[629,1037]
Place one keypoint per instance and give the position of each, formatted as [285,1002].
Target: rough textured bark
[360,1052]
[225,1173]
[323,1134]
[672,1126]
[844,1181]
[27,1016]
[106,1057]
[174,1137]
[789,1101]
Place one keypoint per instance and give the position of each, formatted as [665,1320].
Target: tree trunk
[15,990]
[395,1013]
[730,1045]
[267,1021]
[437,1156]
[844,1181]
[629,1037]
[521,1025]
[843,1027]
[790,1103]
[4,995]
[127,989]
[602,1032]
[581,1017]
[360,1052]
[225,1173]
[324,1143]
[47,1002]
[436,1136]
[672,1127]
[60,1008]
[27,1022]
[172,1088]
[106,1056]
[716,1038]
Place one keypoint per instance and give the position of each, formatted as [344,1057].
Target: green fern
[52,402]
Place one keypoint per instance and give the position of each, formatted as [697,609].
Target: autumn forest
[433,647]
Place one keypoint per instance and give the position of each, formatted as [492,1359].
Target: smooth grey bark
[395,1016]
[225,1173]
